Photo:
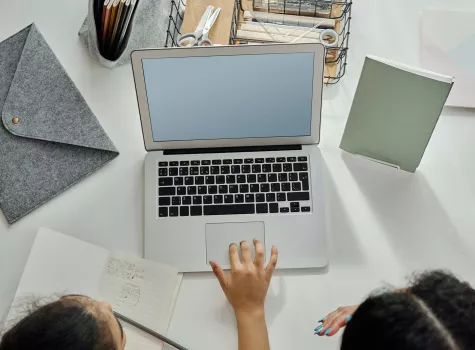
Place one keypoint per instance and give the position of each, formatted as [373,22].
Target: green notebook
[394,112]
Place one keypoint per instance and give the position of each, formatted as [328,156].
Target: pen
[149,331]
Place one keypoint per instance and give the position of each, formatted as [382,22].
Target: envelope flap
[43,102]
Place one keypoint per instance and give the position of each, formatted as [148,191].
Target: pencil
[149,331]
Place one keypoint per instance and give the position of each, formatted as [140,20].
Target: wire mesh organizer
[337,10]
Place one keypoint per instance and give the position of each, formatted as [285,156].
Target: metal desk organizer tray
[49,137]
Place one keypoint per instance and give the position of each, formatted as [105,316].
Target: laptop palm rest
[220,236]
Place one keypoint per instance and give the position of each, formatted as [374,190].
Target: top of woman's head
[72,323]
[436,312]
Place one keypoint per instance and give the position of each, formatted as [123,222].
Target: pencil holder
[147,29]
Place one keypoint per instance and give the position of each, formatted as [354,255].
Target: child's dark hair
[65,324]
[436,312]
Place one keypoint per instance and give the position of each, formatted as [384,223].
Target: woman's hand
[331,324]
[247,284]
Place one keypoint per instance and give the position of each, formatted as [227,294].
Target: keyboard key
[302,159]
[300,167]
[184,163]
[273,208]
[284,210]
[281,159]
[207,199]
[238,161]
[295,209]
[298,196]
[295,205]
[220,179]
[296,186]
[162,172]
[233,188]
[256,168]
[176,200]
[186,200]
[259,160]
[215,170]
[248,160]
[249,198]
[262,208]
[173,164]
[287,167]
[218,199]
[293,177]
[244,188]
[281,197]
[246,169]
[189,180]
[286,186]
[166,191]
[304,178]
[180,191]
[191,190]
[260,197]
[277,168]
[178,181]
[238,198]
[216,161]
[202,189]
[183,171]
[173,211]
[223,189]
[228,198]
[254,188]
[163,212]
[236,169]
[225,169]
[231,179]
[270,197]
[164,201]
[199,180]
[228,161]
[197,200]
[161,164]
[173,171]
[241,179]
[213,189]
[196,210]
[266,168]
[194,170]
[265,188]
[275,187]
[195,162]
[230,209]
[291,159]
[305,209]
[184,211]
[205,162]
[272,177]
[283,177]
[251,178]
[165,181]
[262,178]
[270,160]
[204,170]
[209,180]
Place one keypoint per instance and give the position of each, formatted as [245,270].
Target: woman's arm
[246,289]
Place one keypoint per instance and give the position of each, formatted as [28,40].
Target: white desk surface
[383,224]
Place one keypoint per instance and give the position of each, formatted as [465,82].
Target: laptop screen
[230,97]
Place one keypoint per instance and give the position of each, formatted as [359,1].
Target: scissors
[201,31]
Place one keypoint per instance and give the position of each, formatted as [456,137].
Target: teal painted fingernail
[318,329]
[348,319]
[328,331]
[322,319]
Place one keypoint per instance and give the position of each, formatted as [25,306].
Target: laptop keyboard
[233,186]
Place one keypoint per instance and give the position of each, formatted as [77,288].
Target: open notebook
[142,290]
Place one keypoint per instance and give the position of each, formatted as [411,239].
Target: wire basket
[338,10]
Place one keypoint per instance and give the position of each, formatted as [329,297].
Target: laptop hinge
[233,149]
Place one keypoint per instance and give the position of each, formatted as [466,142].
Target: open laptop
[231,134]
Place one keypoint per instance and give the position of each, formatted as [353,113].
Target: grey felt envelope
[49,137]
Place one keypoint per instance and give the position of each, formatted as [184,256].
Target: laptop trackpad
[220,236]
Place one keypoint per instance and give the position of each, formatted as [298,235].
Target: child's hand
[331,324]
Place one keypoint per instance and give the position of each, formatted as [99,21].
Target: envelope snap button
[15,120]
